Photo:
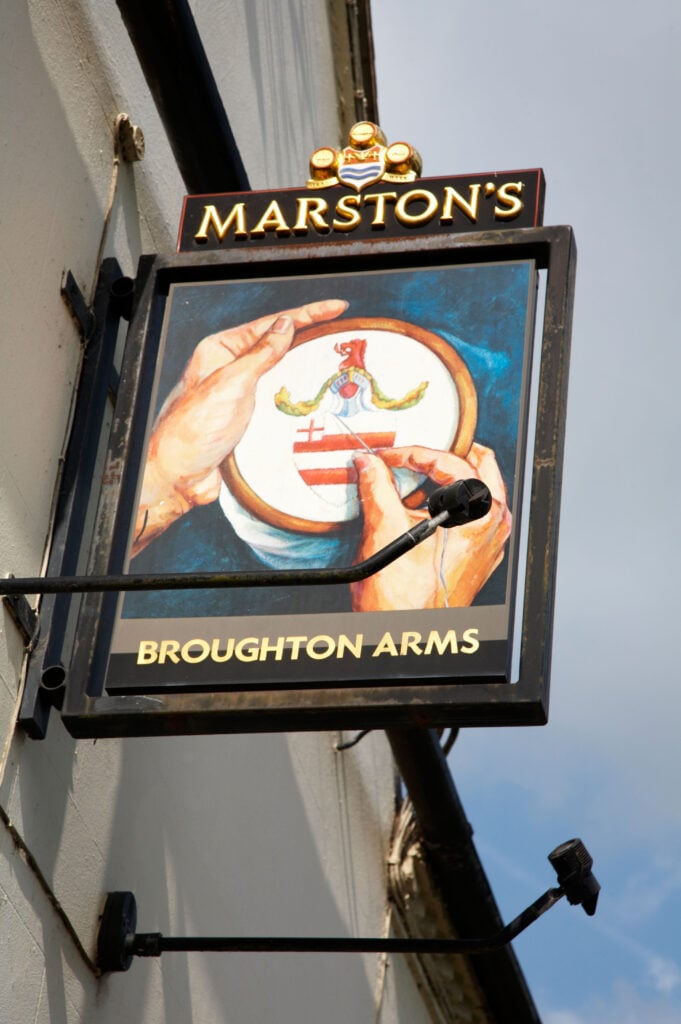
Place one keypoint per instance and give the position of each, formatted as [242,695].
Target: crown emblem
[367,159]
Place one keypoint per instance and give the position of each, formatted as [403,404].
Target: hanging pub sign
[298,379]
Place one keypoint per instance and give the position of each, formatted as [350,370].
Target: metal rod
[216,580]
[181,81]
[154,943]
[466,894]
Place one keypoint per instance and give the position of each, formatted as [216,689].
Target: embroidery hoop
[461,444]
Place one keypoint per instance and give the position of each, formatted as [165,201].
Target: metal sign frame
[88,711]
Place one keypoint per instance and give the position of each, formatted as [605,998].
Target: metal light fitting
[461,502]
[118,941]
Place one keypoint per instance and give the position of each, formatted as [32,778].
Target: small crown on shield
[365,160]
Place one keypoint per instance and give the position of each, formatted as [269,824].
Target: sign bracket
[99,327]
[23,615]
[78,307]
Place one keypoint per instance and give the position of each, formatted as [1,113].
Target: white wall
[273,835]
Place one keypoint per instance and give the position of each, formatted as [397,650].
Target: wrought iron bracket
[23,616]
[99,326]
[78,307]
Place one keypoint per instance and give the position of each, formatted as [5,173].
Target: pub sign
[298,379]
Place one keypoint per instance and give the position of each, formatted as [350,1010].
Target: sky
[589,92]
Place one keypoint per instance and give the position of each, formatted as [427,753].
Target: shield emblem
[358,169]
[323,448]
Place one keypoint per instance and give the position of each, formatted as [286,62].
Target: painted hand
[449,568]
[205,416]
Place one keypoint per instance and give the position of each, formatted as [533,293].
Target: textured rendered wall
[214,835]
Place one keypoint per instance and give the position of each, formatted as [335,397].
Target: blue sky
[590,93]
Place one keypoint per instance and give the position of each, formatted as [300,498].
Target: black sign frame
[88,712]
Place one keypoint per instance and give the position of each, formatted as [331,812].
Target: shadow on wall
[57,162]
[283,45]
[51,220]
[213,838]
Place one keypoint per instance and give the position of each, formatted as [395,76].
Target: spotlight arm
[118,943]
[454,505]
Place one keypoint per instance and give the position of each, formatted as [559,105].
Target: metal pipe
[463,885]
[179,76]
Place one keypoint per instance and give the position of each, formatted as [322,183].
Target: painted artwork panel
[393,383]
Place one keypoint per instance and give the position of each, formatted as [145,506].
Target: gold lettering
[416,195]
[295,642]
[453,198]
[470,637]
[386,645]
[441,643]
[215,651]
[345,643]
[277,648]
[410,642]
[512,201]
[272,220]
[204,651]
[311,210]
[169,649]
[211,218]
[247,649]
[326,652]
[147,653]
[344,207]
[380,199]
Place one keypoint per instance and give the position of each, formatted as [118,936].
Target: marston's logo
[365,161]
[480,202]
[361,169]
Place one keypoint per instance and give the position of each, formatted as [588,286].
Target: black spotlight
[573,863]
[465,500]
